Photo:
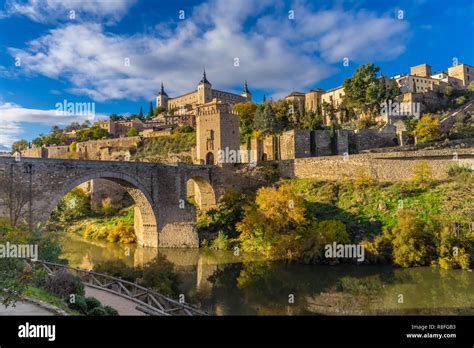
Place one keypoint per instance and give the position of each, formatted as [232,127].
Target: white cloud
[275,54]
[12,116]
[48,11]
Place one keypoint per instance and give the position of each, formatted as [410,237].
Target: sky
[116,53]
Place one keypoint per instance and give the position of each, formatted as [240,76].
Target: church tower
[162,98]
[204,90]
[246,93]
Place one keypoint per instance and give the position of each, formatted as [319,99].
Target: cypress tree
[151,110]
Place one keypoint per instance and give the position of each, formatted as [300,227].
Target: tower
[217,133]
[204,90]
[246,93]
[162,98]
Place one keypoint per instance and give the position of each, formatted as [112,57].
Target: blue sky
[81,56]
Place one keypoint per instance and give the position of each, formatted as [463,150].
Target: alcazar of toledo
[217,125]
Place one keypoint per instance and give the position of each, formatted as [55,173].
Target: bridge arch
[201,190]
[145,219]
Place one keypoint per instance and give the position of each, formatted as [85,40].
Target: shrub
[92,303]
[121,233]
[74,206]
[106,207]
[221,242]
[79,304]
[422,173]
[62,284]
[97,312]
[132,132]
[460,100]
[456,170]
[363,179]
[111,311]
[183,129]
[414,240]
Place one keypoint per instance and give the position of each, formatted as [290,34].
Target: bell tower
[204,90]
[162,98]
[246,93]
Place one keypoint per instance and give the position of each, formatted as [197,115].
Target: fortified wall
[390,166]
[108,149]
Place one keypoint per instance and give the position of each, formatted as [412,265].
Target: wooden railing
[151,302]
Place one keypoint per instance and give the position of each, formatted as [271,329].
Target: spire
[204,78]
[246,88]
[162,91]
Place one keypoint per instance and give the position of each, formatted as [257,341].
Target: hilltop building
[203,94]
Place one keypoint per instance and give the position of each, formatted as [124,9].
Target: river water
[224,284]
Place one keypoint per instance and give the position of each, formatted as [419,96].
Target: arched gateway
[162,216]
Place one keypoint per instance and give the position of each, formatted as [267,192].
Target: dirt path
[122,305]
[24,308]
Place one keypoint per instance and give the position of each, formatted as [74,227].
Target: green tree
[20,145]
[364,91]
[93,133]
[246,113]
[150,113]
[115,117]
[265,120]
[132,132]
[427,129]
[470,87]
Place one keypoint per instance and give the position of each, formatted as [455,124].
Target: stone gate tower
[217,128]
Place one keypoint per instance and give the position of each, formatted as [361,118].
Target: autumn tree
[427,129]
[20,145]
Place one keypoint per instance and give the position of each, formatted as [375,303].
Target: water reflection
[222,283]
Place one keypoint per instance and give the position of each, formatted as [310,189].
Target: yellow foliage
[422,173]
[363,179]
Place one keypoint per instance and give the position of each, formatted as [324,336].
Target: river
[224,284]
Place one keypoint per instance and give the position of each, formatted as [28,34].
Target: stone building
[463,74]
[183,109]
[203,94]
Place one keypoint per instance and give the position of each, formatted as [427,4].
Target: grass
[43,295]
[373,208]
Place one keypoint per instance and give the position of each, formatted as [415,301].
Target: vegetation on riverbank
[113,223]
[408,223]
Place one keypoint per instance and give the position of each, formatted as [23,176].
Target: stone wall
[108,149]
[366,139]
[385,167]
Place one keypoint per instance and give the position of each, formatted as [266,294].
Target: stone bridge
[163,217]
